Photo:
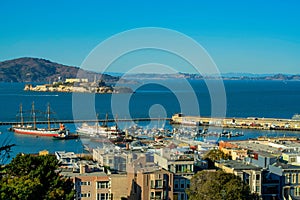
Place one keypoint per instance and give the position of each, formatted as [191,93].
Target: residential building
[92,181]
[181,163]
[148,181]
[250,174]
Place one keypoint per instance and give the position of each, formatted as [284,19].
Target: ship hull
[37,132]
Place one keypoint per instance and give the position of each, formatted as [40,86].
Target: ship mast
[48,116]
[33,115]
[106,120]
[21,115]
[97,122]
[116,121]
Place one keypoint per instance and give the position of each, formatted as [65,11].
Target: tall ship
[30,128]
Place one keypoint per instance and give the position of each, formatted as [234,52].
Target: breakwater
[242,123]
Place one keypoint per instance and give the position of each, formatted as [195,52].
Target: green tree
[218,185]
[214,155]
[34,177]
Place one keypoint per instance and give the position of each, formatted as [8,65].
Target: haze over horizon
[241,37]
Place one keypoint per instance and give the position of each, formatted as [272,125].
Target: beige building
[148,181]
[181,165]
[92,182]
[235,153]
[119,187]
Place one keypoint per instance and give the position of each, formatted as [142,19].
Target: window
[287,178]
[152,195]
[86,195]
[103,184]
[182,184]
[294,178]
[187,185]
[159,183]
[85,183]
[257,177]
[182,196]
[257,189]
[293,159]
[176,185]
[158,195]
[103,196]
[297,191]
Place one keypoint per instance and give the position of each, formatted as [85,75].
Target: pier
[242,123]
[70,121]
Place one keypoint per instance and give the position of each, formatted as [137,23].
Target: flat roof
[238,165]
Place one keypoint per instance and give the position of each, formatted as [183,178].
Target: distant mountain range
[229,76]
[41,70]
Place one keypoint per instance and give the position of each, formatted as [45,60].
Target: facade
[92,181]
[148,181]
[181,165]
[288,177]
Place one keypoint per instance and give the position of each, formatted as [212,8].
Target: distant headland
[29,69]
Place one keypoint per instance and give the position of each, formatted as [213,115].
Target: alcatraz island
[82,85]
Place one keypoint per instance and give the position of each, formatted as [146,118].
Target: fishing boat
[32,129]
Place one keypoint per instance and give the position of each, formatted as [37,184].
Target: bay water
[244,98]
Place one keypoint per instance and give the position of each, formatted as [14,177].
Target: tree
[214,155]
[218,185]
[34,177]
[5,149]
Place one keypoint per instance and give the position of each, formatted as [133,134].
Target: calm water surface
[279,99]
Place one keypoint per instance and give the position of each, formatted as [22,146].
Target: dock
[242,123]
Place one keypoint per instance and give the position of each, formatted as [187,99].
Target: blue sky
[241,36]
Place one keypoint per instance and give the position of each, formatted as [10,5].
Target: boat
[100,130]
[32,129]
[97,130]
[65,135]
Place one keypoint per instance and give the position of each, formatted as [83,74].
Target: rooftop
[239,165]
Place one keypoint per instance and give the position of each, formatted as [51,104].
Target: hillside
[41,70]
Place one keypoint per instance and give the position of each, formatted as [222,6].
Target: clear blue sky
[241,36]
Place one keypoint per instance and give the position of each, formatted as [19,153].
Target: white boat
[96,130]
